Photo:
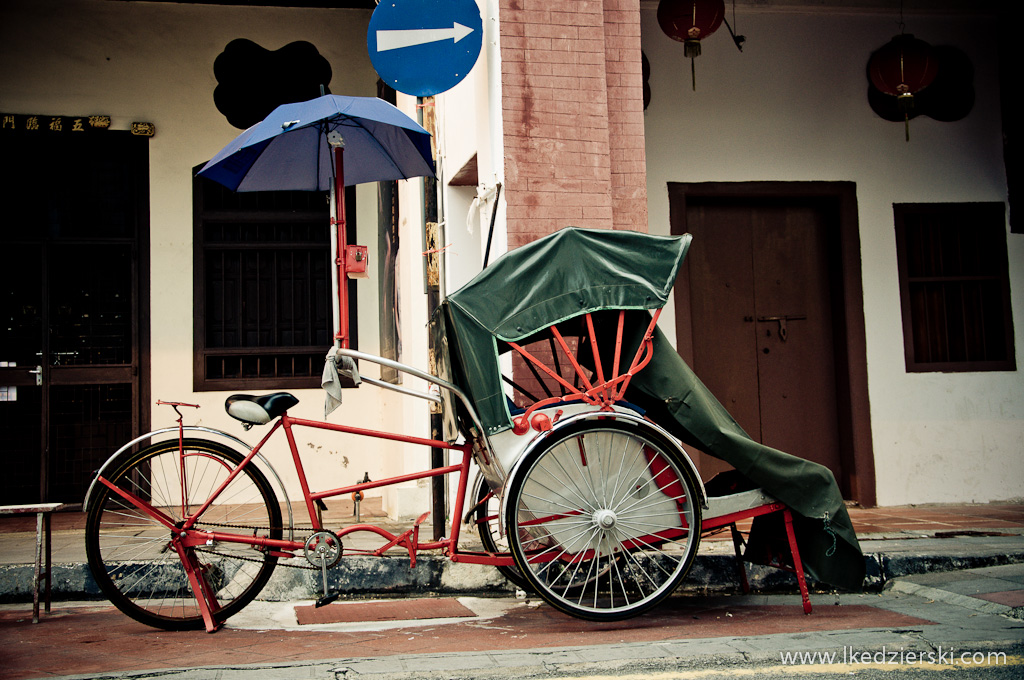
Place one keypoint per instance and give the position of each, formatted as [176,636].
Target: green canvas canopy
[576,271]
[555,278]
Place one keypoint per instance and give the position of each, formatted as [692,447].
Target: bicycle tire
[486,519]
[604,519]
[130,553]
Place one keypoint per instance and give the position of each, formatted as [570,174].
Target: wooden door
[71,355]
[760,296]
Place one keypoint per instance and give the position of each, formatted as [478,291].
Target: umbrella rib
[355,123]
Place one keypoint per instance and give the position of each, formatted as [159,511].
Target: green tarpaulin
[566,274]
[576,271]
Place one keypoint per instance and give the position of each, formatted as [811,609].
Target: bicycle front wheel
[131,553]
[604,520]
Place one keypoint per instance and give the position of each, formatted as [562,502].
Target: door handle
[38,371]
[781,320]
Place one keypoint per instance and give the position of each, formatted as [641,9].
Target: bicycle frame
[185,535]
[311,497]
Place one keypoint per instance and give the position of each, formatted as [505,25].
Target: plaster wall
[138,61]
[793,107]
[469,125]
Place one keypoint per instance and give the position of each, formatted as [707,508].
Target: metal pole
[439,515]
[338,192]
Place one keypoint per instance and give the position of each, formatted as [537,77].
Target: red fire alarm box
[355,262]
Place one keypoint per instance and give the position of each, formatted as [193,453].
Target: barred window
[954,286]
[262,300]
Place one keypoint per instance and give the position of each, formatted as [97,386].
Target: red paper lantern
[901,68]
[690,21]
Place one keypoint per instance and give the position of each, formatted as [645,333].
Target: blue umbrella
[325,144]
[290,150]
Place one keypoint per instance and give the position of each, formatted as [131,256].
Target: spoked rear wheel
[132,556]
[604,519]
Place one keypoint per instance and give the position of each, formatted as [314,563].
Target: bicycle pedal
[325,600]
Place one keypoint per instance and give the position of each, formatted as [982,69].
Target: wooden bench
[42,512]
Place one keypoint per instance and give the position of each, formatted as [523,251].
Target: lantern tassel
[691,49]
[906,104]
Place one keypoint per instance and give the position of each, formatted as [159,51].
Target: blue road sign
[424,47]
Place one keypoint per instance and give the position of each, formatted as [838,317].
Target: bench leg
[37,568]
[48,536]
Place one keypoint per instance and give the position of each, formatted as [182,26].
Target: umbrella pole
[339,276]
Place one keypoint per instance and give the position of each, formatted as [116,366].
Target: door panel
[91,320]
[793,320]
[87,423]
[21,391]
[71,301]
[721,269]
[760,298]
[20,430]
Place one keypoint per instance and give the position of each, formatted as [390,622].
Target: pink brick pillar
[572,100]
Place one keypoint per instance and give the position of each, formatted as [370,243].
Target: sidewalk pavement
[940,575]
[896,541]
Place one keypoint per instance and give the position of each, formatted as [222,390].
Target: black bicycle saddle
[258,410]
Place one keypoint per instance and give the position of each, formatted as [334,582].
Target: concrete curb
[433,574]
[965,601]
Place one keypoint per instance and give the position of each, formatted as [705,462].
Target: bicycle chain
[256,559]
[244,558]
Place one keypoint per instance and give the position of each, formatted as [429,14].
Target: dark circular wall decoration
[646,69]
[253,81]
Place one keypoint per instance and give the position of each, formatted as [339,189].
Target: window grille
[263,308]
[954,287]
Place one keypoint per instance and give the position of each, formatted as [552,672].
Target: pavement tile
[1008,572]
[941,578]
[979,586]
[383,610]
[1011,598]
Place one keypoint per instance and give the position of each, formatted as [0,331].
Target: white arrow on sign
[393,40]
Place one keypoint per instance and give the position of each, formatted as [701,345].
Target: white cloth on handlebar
[336,364]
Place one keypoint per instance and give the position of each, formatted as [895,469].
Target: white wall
[793,106]
[469,123]
[153,62]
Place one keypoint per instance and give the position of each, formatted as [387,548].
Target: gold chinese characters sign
[46,124]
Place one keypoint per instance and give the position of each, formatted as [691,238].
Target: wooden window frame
[271,361]
[977,218]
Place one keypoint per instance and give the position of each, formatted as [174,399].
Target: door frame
[854,414]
